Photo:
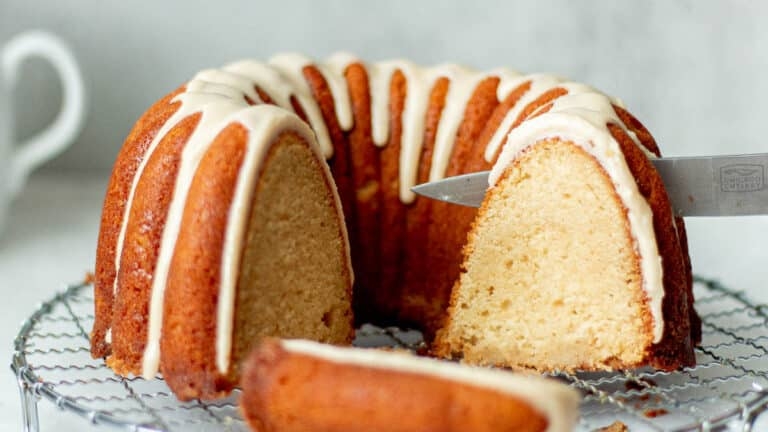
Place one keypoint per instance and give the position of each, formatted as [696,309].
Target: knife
[727,185]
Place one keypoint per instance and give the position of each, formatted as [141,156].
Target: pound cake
[222,224]
[298,385]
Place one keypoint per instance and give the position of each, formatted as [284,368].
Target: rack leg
[29,417]
[757,410]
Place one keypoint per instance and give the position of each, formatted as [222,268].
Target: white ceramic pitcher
[18,159]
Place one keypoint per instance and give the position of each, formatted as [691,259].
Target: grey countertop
[49,241]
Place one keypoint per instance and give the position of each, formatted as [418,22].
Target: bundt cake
[299,385]
[221,223]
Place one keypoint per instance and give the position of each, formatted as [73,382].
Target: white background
[694,72]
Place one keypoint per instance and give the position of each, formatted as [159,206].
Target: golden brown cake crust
[340,161]
[188,342]
[143,234]
[366,178]
[393,218]
[420,300]
[123,173]
[286,391]
[675,349]
[646,139]
[497,116]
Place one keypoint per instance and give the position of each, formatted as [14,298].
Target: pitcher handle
[53,139]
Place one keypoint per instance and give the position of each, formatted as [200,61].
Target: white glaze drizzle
[333,70]
[267,78]
[556,401]
[419,84]
[582,119]
[379,80]
[539,85]
[283,78]
[215,109]
[509,80]
[222,82]
[462,84]
[292,65]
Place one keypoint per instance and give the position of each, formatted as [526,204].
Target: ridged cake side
[131,154]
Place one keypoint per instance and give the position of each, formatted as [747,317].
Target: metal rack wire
[725,391]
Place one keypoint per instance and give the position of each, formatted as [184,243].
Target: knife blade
[727,185]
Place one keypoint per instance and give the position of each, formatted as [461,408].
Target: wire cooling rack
[725,391]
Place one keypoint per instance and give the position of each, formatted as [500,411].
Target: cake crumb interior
[293,280]
[553,280]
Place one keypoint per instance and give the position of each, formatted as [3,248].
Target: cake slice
[234,232]
[263,253]
[574,261]
[298,385]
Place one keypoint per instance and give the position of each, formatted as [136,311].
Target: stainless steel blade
[729,185]
[466,189]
